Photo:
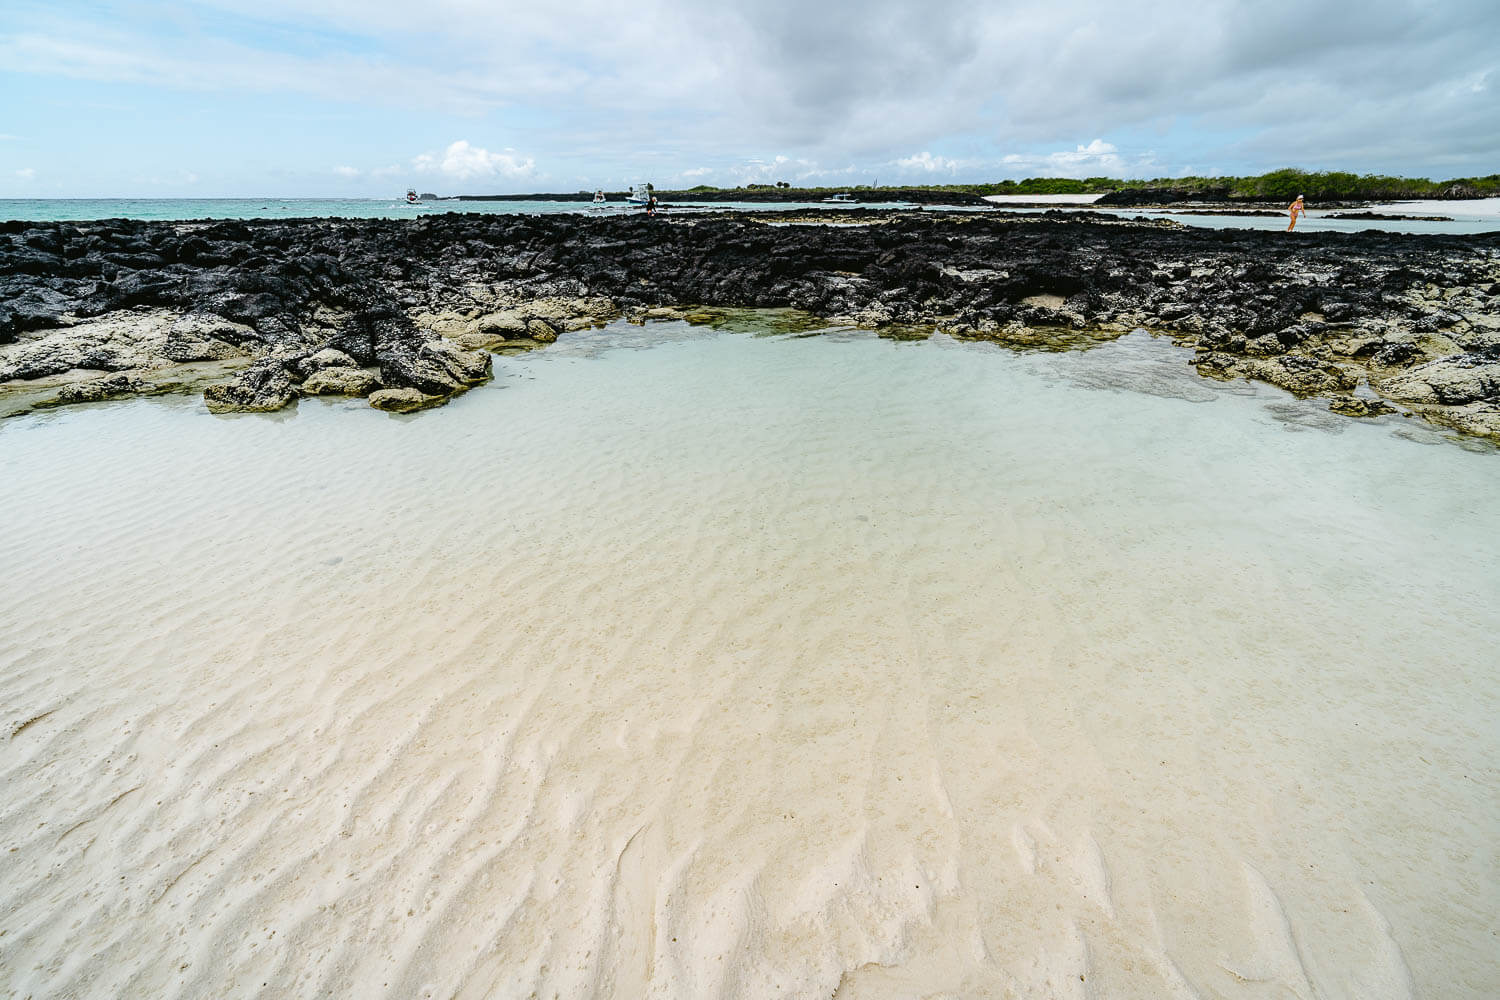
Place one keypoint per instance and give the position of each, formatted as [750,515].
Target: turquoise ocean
[1462,217]
[181,209]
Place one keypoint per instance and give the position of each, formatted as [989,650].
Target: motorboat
[842,198]
[640,194]
[411,196]
[599,197]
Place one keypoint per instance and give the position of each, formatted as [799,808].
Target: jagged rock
[1391,355]
[105,387]
[480,342]
[404,400]
[445,323]
[426,376]
[466,367]
[379,289]
[117,342]
[540,331]
[1217,365]
[113,357]
[328,357]
[1479,419]
[1452,381]
[51,356]
[263,387]
[341,381]
[1301,375]
[502,325]
[205,337]
[1265,346]
[1354,406]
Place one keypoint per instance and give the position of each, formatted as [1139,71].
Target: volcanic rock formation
[360,306]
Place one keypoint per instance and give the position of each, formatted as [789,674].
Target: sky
[364,98]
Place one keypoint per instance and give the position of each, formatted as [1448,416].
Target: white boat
[640,194]
[411,196]
[599,197]
[842,198]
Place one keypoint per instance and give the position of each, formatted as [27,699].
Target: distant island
[1275,187]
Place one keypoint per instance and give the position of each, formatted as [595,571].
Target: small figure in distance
[651,206]
[1296,209]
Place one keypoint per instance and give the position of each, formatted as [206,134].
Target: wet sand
[752,666]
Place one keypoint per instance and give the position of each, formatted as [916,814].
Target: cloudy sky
[365,97]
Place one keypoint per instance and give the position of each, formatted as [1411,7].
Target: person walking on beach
[1296,208]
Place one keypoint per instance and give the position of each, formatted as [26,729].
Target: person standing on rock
[1296,208]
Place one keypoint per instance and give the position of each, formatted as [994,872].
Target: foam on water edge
[739,664]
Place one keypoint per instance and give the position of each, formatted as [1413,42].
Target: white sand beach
[1467,208]
[1043,199]
[752,667]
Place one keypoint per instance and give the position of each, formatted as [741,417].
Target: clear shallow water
[693,664]
[1458,223]
[1463,217]
[180,209]
[1477,217]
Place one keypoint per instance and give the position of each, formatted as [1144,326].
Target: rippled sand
[752,667]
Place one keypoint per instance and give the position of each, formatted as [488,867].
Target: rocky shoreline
[408,313]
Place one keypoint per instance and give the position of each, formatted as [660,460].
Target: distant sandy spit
[1043,199]
[1485,208]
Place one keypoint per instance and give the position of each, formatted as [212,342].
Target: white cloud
[26,173]
[347,171]
[1096,158]
[928,163]
[1413,82]
[779,168]
[462,161]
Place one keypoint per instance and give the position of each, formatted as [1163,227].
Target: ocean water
[1466,217]
[681,663]
[182,209]
[1462,217]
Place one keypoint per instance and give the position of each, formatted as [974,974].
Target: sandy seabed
[750,667]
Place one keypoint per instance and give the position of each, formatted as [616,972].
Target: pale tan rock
[404,400]
[205,337]
[1301,375]
[112,386]
[1455,380]
[467,367]
[263,387]
[504,325]
[328,357]
[541,331]
[341,381]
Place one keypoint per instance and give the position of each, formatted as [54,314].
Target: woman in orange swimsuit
[1296,208]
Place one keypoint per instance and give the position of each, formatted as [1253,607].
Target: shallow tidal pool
[689,663]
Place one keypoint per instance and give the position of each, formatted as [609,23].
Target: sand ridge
[739,667]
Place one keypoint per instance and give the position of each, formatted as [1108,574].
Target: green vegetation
[1278,185]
